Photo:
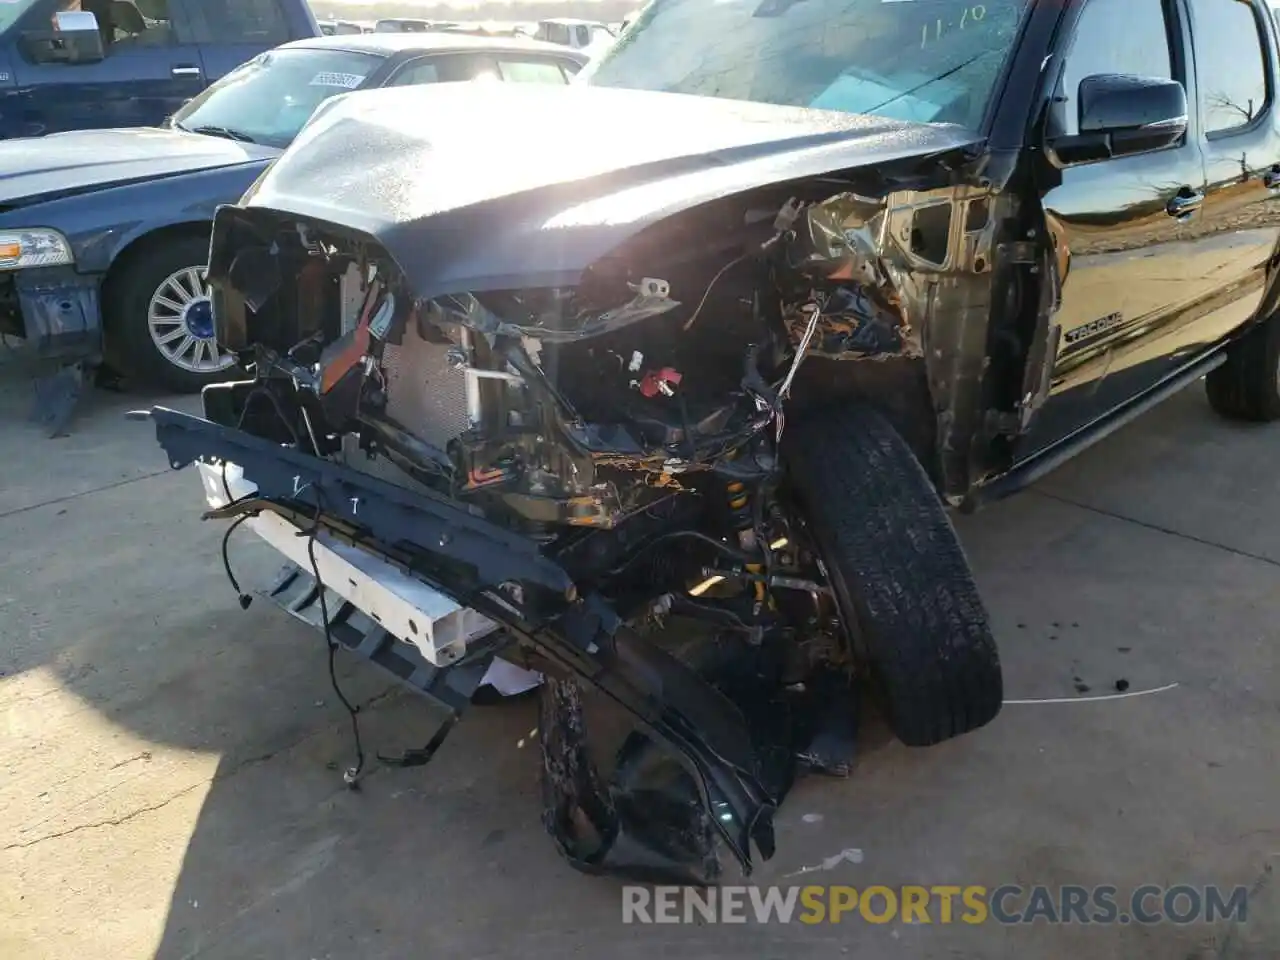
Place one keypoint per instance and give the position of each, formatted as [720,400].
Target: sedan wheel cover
[180,319]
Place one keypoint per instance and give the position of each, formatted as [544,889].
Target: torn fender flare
[476,562]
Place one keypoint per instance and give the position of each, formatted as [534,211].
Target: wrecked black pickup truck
[670,405]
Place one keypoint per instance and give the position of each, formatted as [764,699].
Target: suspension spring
[741,516]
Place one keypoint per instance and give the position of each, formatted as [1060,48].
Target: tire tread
[887,535]
[1245,387]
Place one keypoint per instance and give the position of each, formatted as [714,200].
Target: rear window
[530,71]
[554,33]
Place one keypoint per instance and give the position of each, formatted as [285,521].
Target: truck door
[1123,227]
[151,66]
[232,32]
[1236,87]
[10,103]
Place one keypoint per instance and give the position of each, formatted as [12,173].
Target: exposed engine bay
[560,412]
[629,430]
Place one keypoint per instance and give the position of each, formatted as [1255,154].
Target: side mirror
[1120,116]
[75,38]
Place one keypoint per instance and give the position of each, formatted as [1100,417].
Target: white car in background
[403,25]
[339,28]
[589,36]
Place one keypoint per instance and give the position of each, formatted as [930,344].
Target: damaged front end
[593,471]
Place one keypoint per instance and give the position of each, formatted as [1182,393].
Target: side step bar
[1045,462]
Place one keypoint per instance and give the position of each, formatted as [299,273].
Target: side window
[1115,36]
[1231,68]
[530,71]
[245,21]
[412,74]
[583,37]
[558,33]
[139,23]
[443,69]
[122,23]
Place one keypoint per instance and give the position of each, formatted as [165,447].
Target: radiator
[424,394]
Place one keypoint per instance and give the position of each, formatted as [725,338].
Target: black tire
[1247,386]
[127,298]
[901,581]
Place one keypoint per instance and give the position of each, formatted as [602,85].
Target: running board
[1046,461]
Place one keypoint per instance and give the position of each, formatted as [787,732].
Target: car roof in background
[392,44]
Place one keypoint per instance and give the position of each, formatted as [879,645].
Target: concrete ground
[169,780]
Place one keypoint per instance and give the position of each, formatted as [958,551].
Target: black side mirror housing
[1122,115]
[75,38]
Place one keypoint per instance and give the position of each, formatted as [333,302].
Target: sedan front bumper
[55,311]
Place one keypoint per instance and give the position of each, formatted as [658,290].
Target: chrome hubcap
[180,319]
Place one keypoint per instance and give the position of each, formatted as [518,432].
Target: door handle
[186,71]
[1185,204]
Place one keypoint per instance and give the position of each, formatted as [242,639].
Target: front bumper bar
[507,579]
[55,311]
[56,314]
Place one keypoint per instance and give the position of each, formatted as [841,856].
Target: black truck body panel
[457,215]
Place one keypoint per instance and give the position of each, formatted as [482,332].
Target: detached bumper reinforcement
[449,688]
[508,579]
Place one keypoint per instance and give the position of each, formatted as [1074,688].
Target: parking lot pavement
[170,783]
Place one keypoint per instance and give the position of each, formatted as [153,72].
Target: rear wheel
[901,582]
[1247,386]
[160,318]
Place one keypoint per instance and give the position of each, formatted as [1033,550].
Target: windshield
[923,60]
[268,99]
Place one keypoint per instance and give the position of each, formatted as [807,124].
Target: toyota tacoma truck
[671,406]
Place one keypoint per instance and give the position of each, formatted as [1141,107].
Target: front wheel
[901,582]
[160,319]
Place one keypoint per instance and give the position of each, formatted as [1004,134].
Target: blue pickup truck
[82,64]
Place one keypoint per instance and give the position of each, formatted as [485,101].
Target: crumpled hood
[474,187]
[82,161]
